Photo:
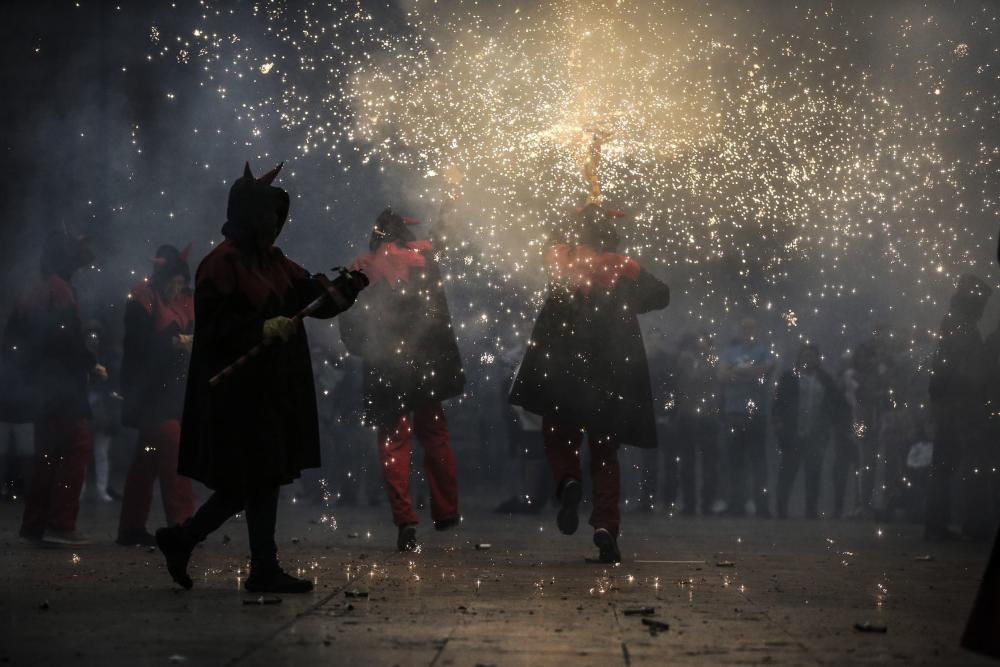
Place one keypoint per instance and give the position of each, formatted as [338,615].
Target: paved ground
[792,596]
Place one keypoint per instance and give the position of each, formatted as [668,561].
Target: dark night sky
[78,84]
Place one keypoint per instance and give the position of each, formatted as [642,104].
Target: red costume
[402,330]
[54,361]
[159,317]
[585,369]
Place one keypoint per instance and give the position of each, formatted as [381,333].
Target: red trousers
[395,450]
[156,457]
[62,450]
[562,448]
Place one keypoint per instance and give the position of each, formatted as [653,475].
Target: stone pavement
[791,596]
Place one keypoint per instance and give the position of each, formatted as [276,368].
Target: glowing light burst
[841,140]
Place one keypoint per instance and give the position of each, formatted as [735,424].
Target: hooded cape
[258,428]
[402,329]
[585,365]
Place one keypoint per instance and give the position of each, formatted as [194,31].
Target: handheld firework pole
[331,293]
[591,162]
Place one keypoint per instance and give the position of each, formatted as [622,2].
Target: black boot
[569,501]
[407,538]
[176,546]
[607,543]
[270,578]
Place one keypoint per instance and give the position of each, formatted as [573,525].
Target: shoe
[447,524]
[105,497]
[66,537]
[133,538]
[32,538]
[407,538]
[569,500]
[176,547]
[272,579]
[607,545]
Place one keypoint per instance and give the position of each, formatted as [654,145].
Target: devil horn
[267,178]
[246,171]
[186,252]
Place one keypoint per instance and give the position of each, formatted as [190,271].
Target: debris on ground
[483,546]
[868,626]
[655,626]
[44,606]
[262,600]
[925,557]
[355,593]
[353,536]
[177,659]
[725,563]
[226,539]
[639,611]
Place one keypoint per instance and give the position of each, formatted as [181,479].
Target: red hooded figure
[585,369]
[257,430]
[47,366]
[159,328]
[402,330]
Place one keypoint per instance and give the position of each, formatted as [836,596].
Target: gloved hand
[346,286]
[350,284]
[279,327]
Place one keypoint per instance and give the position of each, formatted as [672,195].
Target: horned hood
[255,205]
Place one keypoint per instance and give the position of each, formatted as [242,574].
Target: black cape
[154,371]
[258,428]
[403,332]
[45,363]
[586,362]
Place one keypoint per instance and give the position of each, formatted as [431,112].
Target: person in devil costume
[585,370]
[45,344]
[251,433]
[958,389]
[159,328]
[402,330]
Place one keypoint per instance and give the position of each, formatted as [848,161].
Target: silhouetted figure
[808,406]
[103,422]
[159,332]
[874,373]
[982,632]
[585,370]
[744,370]
[46,335]
[524,444]
[402,330]
[256,430]
[696,420]
[660,473]
[962,367]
